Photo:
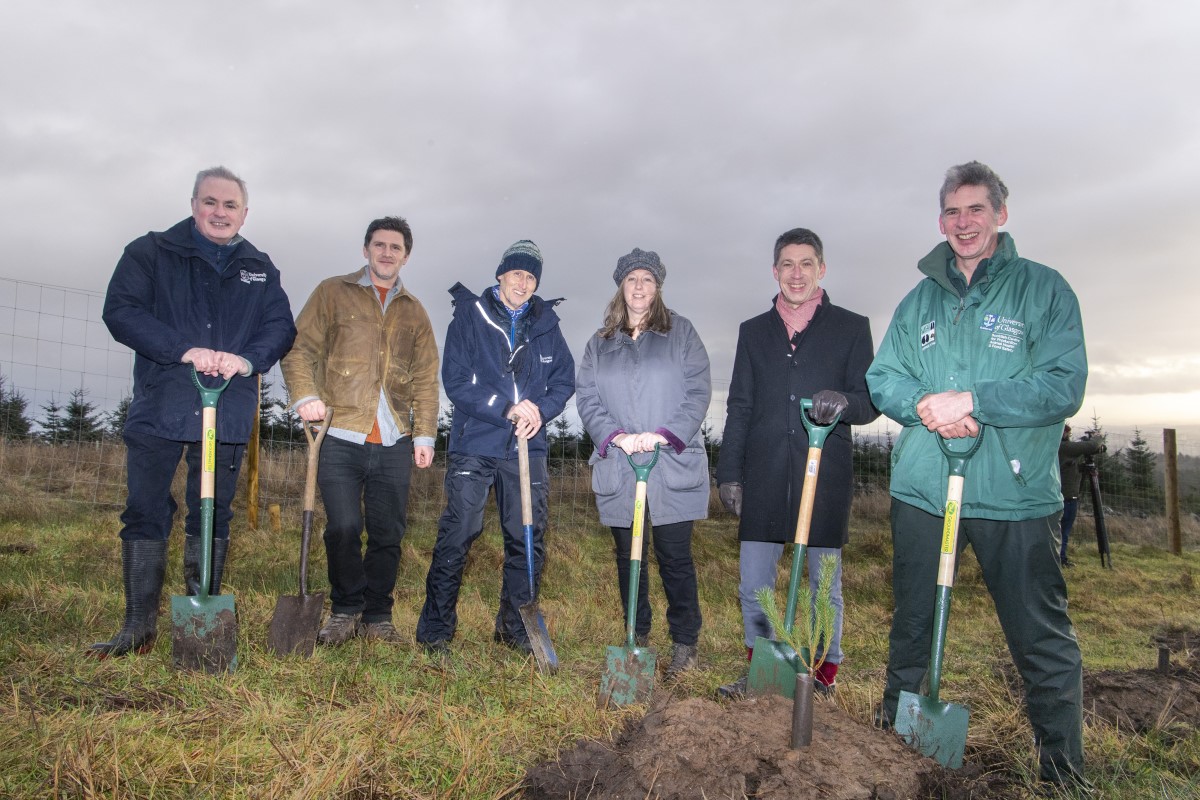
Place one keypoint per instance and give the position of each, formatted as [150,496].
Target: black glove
[827,406]
[731,497]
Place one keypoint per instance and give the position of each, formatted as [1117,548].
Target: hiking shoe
[881,720]
[1073,785]
[641,640]
[520,645]
[683,658]
[438,651]
[735,690]
[825,689]
[383,631]
[1066,562]
[338,629]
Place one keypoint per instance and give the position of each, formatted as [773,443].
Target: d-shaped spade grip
[816,433]
[642,471]
[959,451]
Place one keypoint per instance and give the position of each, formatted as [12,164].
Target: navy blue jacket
[484,377]
[164,298]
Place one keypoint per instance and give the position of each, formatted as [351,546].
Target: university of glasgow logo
[989,322]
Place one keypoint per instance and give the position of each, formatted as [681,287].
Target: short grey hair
[224,173]
[974,173]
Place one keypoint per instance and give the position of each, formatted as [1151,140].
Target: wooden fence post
[1171,479]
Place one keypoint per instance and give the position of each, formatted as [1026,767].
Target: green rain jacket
[1014,339]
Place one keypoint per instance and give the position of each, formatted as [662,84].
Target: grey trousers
[758,563]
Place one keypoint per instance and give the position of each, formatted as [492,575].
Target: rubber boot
[143,565]
[191,564]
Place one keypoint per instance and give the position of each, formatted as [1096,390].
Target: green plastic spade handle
[642,471]
[959,451]
[816,433]
[208,475]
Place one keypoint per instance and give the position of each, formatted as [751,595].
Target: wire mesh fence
[65,384]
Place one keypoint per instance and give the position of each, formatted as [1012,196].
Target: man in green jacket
[986,339]
[365,350]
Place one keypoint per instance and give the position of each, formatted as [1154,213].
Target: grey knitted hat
[640,259]
[525,255]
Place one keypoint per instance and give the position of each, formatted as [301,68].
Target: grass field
[371,720]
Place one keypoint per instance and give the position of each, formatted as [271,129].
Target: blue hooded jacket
[166,297]
[484,376]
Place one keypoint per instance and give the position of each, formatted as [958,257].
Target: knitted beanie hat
[525,255]
[640,259]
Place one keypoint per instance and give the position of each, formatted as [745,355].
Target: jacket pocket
[606,475]
[905,435]
[688,470]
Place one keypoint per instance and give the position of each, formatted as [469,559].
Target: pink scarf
[797,319]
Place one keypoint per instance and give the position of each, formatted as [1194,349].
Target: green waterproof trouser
[1020,566]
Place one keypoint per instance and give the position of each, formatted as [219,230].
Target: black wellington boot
[143,564]
[191,564]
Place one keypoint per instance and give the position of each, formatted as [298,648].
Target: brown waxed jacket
[347,348]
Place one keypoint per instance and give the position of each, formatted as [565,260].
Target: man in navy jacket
[196,297]
[507,370]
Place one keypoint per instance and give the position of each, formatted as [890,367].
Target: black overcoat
[765,445]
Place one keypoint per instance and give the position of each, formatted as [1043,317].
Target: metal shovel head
[773,668]
[933,728]
[205,633]
[628,676]
[539,639]
[295,623]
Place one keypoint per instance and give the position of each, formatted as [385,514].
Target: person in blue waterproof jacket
[507,370]
[196,297]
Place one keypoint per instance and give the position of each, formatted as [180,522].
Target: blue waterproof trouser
[468,481]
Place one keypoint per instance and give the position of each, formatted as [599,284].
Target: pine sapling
[810,636]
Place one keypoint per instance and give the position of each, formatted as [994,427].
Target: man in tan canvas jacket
[365,351]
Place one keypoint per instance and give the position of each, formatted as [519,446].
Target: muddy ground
[1167,700]
[698,748]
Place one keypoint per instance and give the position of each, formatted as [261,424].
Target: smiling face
[385,256]
[971,226]
[638,288]
[219,210]
[516,287]
[799,272]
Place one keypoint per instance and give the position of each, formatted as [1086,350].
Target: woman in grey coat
[644,382]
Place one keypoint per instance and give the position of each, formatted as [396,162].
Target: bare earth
[697,748]
[693,748]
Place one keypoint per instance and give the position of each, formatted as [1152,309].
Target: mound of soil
[692,748]
[1150,699]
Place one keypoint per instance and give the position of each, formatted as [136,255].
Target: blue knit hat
[525,255]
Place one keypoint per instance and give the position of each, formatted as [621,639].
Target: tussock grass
[370,720]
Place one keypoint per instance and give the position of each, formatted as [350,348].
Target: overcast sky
[700,130]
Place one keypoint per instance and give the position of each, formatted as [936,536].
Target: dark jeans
[364,481]
[1020,566]
[1070,509]
[468,479]
[150,464]
[673,551]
